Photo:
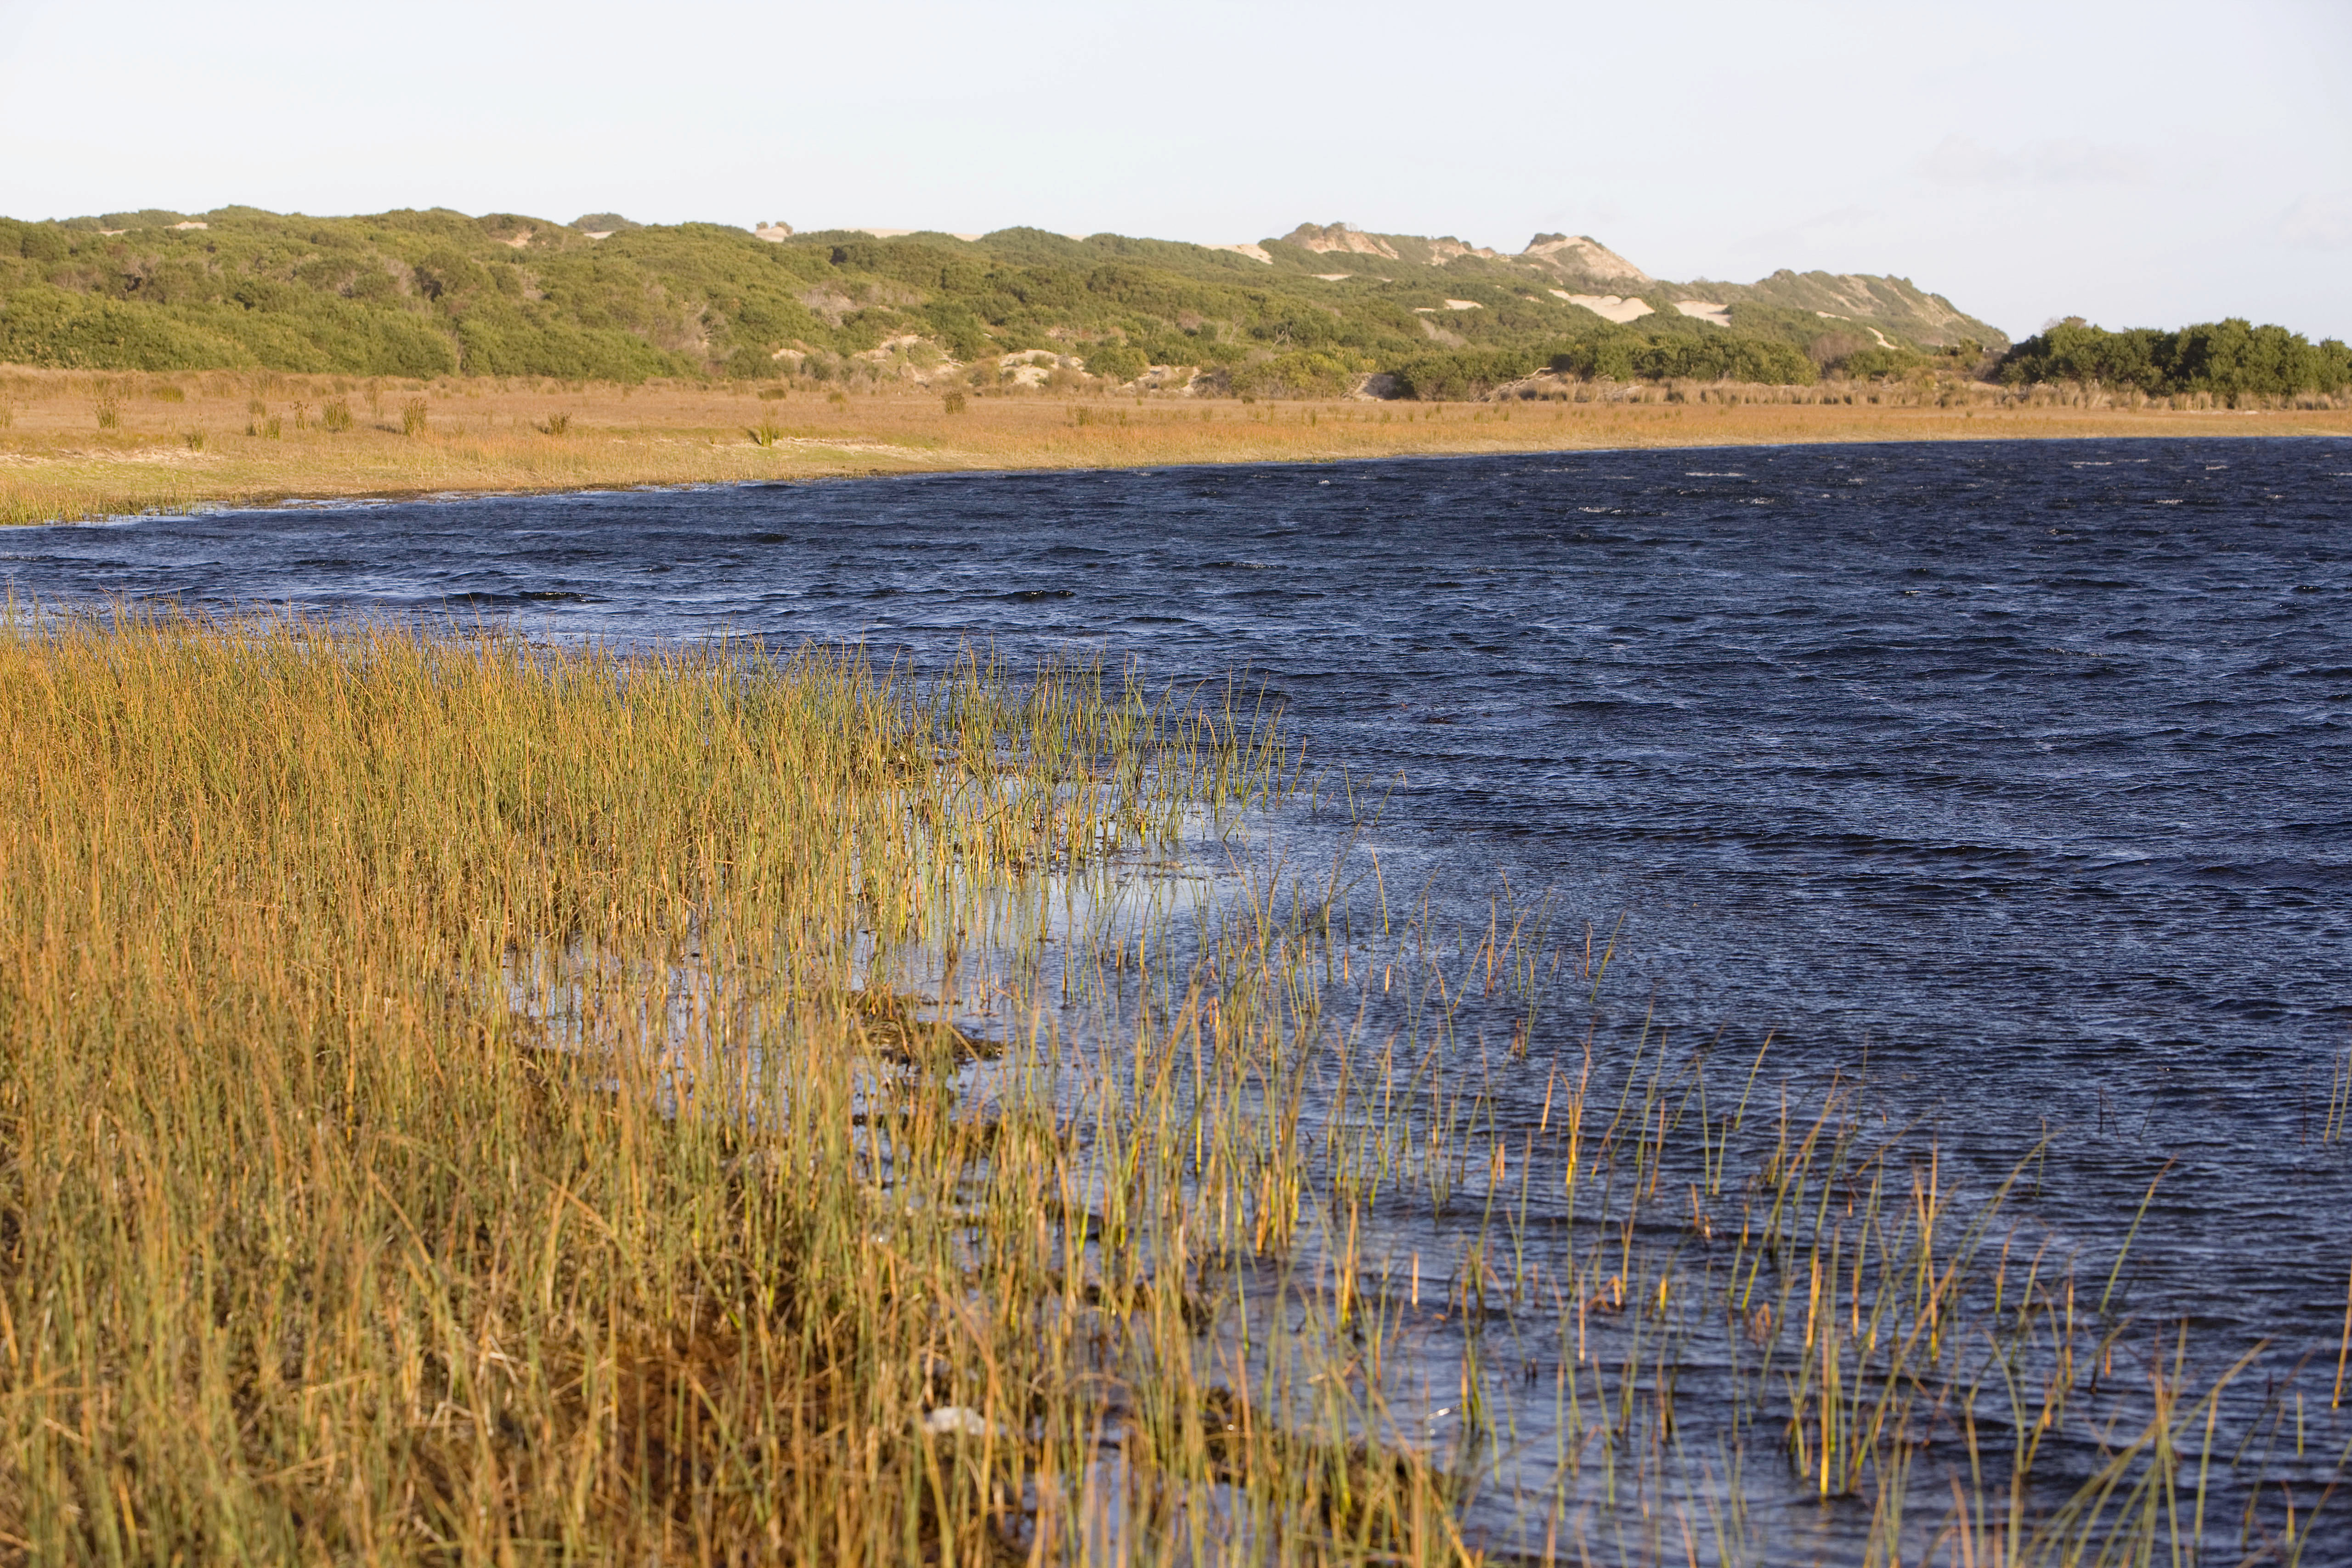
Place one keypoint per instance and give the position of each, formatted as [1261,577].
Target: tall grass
[469,1101]
[321,1239]
[690,433]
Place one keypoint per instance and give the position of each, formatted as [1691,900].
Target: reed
[469,1100]
[694,433]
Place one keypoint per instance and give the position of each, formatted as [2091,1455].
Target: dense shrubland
[2230,359]
[423,294]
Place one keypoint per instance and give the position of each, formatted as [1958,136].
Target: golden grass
[58,461]
[461,1102]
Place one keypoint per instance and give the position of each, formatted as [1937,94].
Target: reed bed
[240,440]
[471,1101]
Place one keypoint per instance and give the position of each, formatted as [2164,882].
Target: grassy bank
[75,446]
[468,1103]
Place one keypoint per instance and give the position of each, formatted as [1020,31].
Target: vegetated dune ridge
[423,294]
[76,445]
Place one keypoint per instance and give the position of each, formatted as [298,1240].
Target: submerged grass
[466,1101]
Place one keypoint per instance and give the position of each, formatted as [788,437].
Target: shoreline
[78,447]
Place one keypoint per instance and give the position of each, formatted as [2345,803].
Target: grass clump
[413,416]
[366,1193]
[335,415]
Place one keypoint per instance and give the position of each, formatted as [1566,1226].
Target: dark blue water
[2021,773]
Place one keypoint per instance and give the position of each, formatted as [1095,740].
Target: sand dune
[1610,307]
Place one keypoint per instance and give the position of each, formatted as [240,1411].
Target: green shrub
[1304,374]
[2229,359]
[1116,361]
[1713,354]
[1460,376]
[48,326]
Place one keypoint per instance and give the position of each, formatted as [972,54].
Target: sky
[2141,164]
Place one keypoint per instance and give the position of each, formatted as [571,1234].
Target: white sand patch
[1464,305]
[1029,367]
[1344,237]
[519,241]
[1705,310]
[890,346]
[1334,277]
[606,234]
[1254,252]
[191,224]
[773,232]
[1583,254]
[1609,307]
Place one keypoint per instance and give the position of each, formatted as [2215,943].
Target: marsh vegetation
[466,1100]
[191,440]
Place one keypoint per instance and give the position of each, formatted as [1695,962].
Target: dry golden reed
[466,1101]
[324,1238]
[492,434]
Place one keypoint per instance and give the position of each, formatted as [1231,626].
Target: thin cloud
[1965,161]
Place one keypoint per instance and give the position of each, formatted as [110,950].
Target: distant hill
[1580,267]
[1316,312]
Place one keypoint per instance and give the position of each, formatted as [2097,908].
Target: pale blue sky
[2137,163]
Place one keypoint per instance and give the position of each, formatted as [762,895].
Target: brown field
[76,445]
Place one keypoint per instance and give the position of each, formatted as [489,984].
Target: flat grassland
[75,446]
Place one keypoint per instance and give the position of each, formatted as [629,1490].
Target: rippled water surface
[2020,772]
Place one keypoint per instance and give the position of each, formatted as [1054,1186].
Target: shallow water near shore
[2010,781]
